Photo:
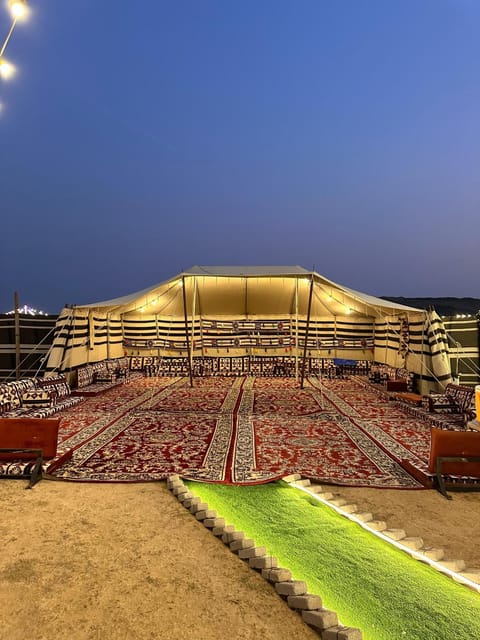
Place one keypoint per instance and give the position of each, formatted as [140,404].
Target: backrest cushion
[37,398]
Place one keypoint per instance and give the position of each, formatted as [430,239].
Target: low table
[410,398]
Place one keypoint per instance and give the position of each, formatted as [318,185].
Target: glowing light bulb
[18,9]
[6,69]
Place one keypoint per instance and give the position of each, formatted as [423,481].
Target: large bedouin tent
[234,312]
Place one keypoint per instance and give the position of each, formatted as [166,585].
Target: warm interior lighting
[6,69]
[18,9]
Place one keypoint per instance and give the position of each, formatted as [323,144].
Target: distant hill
[443,306]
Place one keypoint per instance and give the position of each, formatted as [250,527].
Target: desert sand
[86,561]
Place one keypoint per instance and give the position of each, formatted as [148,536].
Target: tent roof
[270,290]
[248,271]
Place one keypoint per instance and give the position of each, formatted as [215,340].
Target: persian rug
[169,428]
[392,429]
[242,430]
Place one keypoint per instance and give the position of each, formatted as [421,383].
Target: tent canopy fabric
[251,291]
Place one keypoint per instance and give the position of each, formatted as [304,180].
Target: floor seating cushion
[452,407]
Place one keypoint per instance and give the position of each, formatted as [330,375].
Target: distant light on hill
[30,311]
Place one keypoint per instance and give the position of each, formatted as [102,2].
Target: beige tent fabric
[237,311]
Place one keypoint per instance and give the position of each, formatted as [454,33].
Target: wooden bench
[29,441]
[455,460]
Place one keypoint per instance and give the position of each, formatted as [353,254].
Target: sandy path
[127,561]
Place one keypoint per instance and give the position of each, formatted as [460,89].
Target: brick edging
[414,546]
[294,592]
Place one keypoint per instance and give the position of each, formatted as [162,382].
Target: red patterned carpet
[242,430]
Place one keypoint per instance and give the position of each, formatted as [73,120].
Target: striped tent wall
[418,343]
[439,350]
[464,340]
[398,348]
[84,338]
[214,336]
[90,337]
[238,334]
[424,344]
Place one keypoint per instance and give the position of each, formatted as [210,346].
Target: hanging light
[6,69]
[18,9]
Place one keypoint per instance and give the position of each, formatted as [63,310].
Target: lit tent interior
[255,312]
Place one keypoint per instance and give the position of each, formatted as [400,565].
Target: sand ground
[127,562]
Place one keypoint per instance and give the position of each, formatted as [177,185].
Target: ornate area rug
[241,430]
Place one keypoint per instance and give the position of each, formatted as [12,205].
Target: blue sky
[140,139]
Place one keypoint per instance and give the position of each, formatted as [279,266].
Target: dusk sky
[139,139]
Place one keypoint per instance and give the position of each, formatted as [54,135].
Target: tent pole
[124,348]
[387,335]
[200,319]
[194,299]
[335,354]
[186,331]
[296,329]
[108,335]
[157,331]
[17,336]
[306,333]
[423,355]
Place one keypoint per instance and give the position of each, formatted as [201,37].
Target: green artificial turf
[369,583]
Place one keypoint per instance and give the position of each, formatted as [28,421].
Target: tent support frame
[186,331]
[304,359]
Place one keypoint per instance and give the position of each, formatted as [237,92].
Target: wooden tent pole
[194,298]
[200,319]
[304,359]
[108,334]
[296,329]
[17,336]
[186,331]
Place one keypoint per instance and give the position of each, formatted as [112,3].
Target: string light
[28,310]
[18,11]
[6,69]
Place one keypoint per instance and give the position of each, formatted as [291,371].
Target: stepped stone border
[414,546]
[295,592]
